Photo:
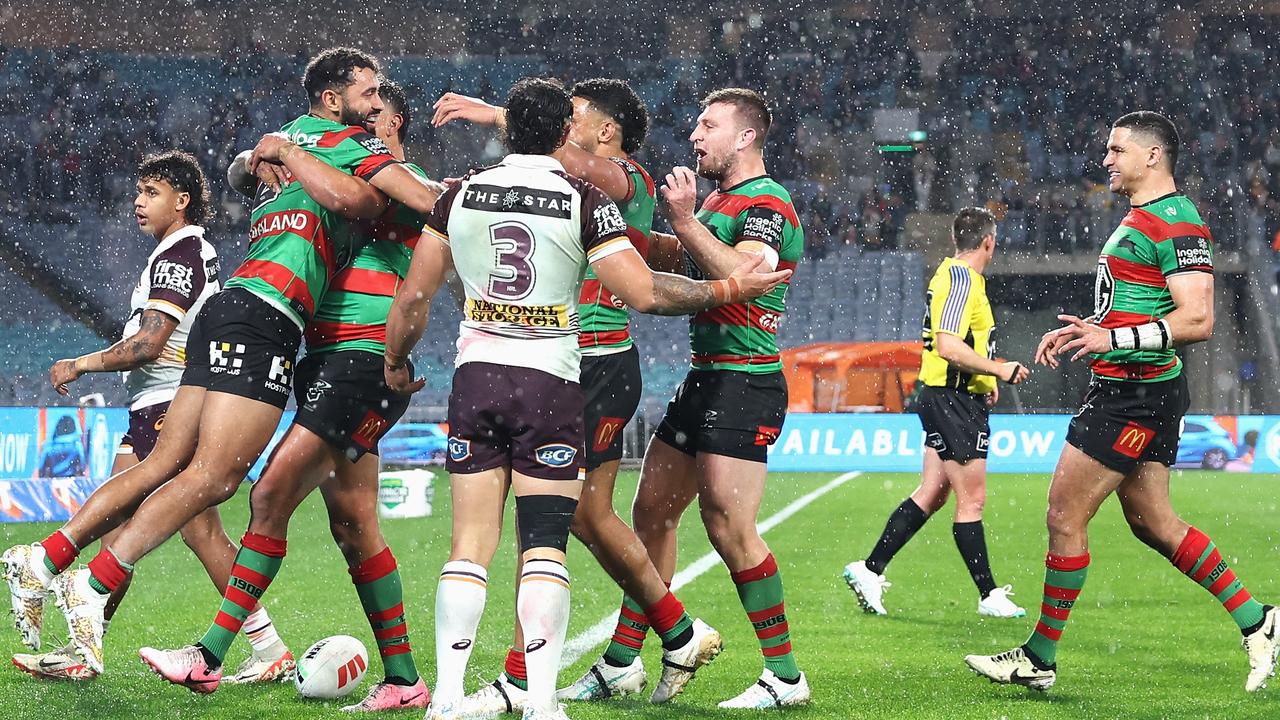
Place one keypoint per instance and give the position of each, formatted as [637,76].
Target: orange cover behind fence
[851,376]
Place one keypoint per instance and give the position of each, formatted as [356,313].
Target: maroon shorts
[500,415]
[144,430]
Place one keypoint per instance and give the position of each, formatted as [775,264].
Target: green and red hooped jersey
[295,245]
[1155,240]
[606,322]
[353,314]
[744,337]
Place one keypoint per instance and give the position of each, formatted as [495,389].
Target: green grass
[1144,642]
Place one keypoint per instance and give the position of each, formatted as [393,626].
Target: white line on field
[583,642]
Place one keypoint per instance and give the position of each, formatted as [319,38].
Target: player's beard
[347,116]
[713,167]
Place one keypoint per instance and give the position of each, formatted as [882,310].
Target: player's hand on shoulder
[452,106]
[1082,337]
[1014,373]
[268,150]
[680,192]
[752,278]
[63,371]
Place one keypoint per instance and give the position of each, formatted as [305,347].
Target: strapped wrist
[1148,336]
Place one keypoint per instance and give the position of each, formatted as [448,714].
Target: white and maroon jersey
[521,234]
[181,274]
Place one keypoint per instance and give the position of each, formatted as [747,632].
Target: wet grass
[1144,642]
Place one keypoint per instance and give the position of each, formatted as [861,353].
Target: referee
[959,388]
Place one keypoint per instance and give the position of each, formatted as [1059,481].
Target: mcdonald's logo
[607,429]
[369,430]
[1133,439]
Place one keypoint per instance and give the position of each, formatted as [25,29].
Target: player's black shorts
[144,430]
[505,415]
[723,412]
[1124,423]
[241,345]
[612,386]
[955,423]
[343,398]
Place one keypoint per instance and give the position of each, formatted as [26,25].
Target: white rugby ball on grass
[331,668]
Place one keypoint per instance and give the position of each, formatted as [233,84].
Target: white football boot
[1262,645]
[83,607]
[868,586]
[770,692]
[602,681]
[28,580]
[60,664]
[679,665]
[1012,667]
[497,698]
[997,604]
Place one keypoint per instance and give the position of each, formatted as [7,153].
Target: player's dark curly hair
[1158,127]
[395,101]
[182,171]
[538,110]
[616,99]
[332,70]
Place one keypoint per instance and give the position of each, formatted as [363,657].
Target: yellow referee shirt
[958,305]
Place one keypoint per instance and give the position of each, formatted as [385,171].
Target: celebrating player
[1154,292]
[232,394]
[343,410]
[713,440]
[959,375]
[609,124]
[520,235]
[181,273]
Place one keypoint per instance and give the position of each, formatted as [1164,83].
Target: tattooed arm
[130,353]
[626,275]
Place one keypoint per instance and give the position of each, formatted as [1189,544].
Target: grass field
[1144,642]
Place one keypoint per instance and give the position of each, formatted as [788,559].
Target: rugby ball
[331,668]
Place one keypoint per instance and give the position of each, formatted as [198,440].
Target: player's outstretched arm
[130,353]
[403,185]
[335,190]
[715,259]
[410,310]
[958,353]
[626,275]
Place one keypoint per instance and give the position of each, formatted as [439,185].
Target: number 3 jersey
[521,234]
[1155,240]
[181,274]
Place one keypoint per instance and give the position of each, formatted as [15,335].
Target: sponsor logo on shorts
[369,430]
[934,440]
[159,422]
[983,442]
[556,455]
[316,390]
[1133,439]
[226,357]
[766,435]
[459,449]
[710,417]
[606,432]
[281,375]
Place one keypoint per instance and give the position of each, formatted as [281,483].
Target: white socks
[459,604]
[543,608]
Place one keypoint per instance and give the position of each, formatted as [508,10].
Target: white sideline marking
[584,641]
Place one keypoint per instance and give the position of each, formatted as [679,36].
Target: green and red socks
[760,590]
[377,582]
[1063,578]
[515,670]
[1198,558]
[106,572]
[59,552]
[670,621]
[628,635]
[255,567]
